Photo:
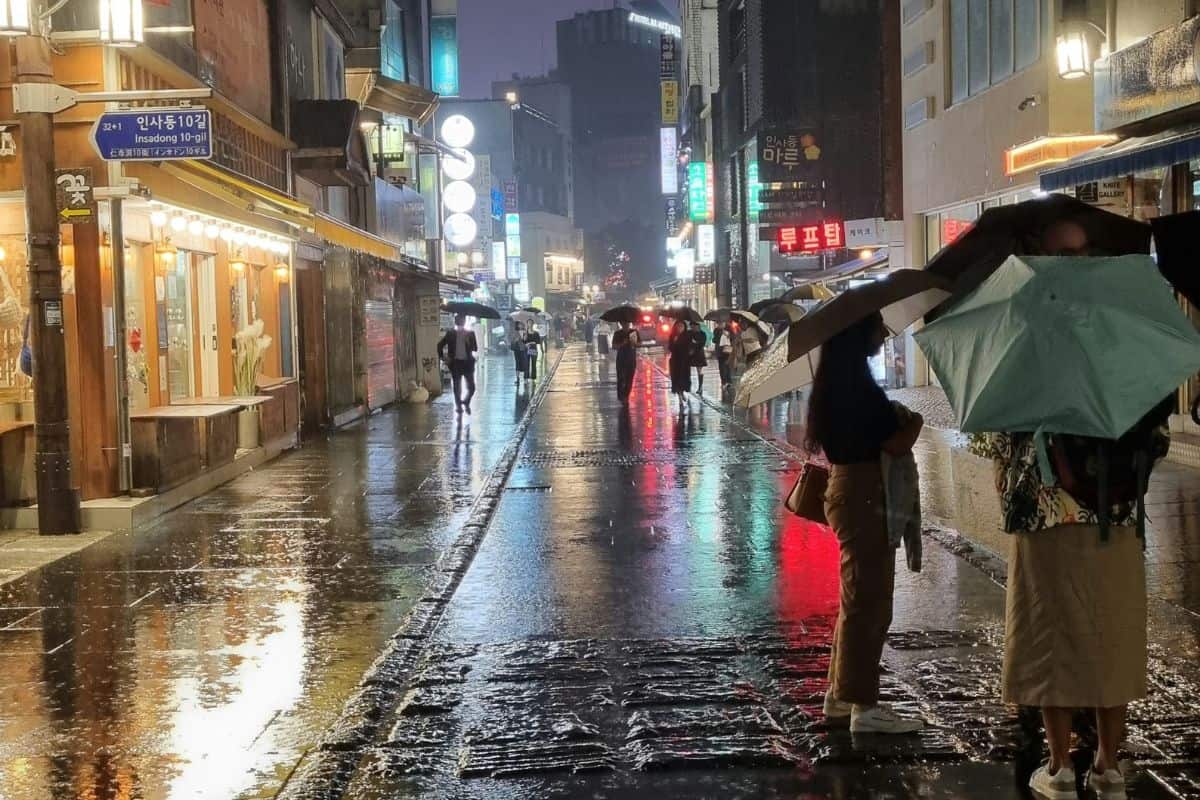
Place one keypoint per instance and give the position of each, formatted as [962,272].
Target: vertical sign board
[706,245]
[668,144]
[482,213]
[512,237]
[670,102]
[672,208]
[443,35]
[73,195]
[499,261]
[668,48]
[753,189]
[685,264]
[700,191]
[510,196]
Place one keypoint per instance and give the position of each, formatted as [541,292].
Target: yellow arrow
[68,213]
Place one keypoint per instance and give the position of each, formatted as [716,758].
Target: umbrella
[718,315]
[685,313]
[1017,230]
[630,314]
[762,305]
[782,313]
[1083,346]
[809,291]
[790,363]
[524,316]
[1178,250]
[471,309]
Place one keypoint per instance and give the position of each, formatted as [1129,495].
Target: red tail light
[666,328]
[646,318]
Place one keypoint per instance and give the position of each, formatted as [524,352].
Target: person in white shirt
[458,348]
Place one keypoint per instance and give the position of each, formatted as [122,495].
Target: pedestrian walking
[534,347]
[520,351]
[680,365]
[723,352]
[603,332]
[699,361]
[625,342]
[1075,612]
[589,332]
[457,349]
[853,422]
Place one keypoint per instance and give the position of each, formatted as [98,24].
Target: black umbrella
[762,305]
[1018,230]
[684,313]
[782,313]
[1177,243]
[471,309]
[719,315]
[620,314]
[806,292]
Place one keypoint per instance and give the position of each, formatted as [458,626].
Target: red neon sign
[826,235]
[954,228]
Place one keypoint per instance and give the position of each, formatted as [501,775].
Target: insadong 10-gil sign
[154,134]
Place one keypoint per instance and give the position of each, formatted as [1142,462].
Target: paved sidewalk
[203,657]
[643,619]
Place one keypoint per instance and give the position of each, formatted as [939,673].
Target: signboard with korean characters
[154,134]
[668,56]
[74,196]
[670,102]
[865,233]
[826,235]
[785,156]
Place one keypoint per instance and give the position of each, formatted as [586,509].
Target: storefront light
[121,23]
[226,233]
[195,226]
[239,237]
[14,17]
[477,259]
[254,241]
[212,230]
[1074,55]
[460,166]
[158,218]
[238,266]
[178,222]
[3,254]
[458,131]
[281,271]
[459,197]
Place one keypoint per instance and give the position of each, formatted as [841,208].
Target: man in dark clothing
[457,348]
[699,362]
[534,345]
[625,342]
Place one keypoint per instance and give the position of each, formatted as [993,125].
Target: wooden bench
[172,444]
[262,402]
[18,480]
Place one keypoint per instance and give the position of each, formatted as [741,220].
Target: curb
[324,771]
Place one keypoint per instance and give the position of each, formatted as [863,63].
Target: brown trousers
[854,506]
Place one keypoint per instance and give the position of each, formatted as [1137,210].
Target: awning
[1136,154]
[240,192]
[377,91]
[330,146]
[841,272]
[427,145]
[445,280]
[338,232]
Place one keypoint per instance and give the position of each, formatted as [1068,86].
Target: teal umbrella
[1083,346]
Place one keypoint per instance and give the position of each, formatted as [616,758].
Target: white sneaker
[881,719]
[1108,785]
[836,711]
[1059,786]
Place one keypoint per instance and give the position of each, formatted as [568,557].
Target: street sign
[803,194]
[790,216]
[153,134]
[73,195]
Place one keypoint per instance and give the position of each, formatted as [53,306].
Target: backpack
[1102,473]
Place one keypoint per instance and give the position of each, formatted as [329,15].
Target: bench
[172,444]
[18,480]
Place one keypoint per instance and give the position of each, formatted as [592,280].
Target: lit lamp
[281,271]
[14,17]
[238,266]
[164,254]
[121,22]
[1072,46]
[477,259]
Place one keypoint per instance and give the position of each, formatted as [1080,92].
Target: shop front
[1148,96]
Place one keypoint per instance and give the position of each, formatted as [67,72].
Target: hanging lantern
[14,17]
[121,22]
[281,271]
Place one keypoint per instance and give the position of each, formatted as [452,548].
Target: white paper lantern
[460,229]
[459,167]
[458,131]
[459,196]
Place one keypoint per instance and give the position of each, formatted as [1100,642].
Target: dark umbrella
[619,314]
[719,315]
[471,309]
[1017,230]
[762,305]
[782,313]
[1177,243]
[684,313]
[806,292]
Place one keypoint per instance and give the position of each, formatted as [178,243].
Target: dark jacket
[448,346]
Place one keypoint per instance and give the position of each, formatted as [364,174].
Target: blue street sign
[153,134]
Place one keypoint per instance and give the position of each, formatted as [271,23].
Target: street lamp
[14,17]
[1073,47]
[121,23]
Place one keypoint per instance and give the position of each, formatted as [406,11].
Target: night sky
[500,37]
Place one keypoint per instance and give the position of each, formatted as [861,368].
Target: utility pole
[57,497]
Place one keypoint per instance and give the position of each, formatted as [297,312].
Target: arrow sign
[74,195]
[154,134]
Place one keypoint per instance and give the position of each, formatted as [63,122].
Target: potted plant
[249,345]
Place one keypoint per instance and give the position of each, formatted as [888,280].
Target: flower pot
[248,429]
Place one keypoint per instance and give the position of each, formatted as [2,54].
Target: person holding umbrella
[699,362]
[603,332]
[625,342]
[520,351]
[680,347]
[458,348]
[723,351]
[853,422]
[534,346]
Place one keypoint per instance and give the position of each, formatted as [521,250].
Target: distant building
[824,77]
[611,66]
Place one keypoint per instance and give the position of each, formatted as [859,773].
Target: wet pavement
[204,656]
[642,617]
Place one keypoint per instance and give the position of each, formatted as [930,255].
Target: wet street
[575,602]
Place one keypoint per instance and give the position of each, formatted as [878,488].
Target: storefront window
[1151,194]
[137,356]
[16,388]
[180,372]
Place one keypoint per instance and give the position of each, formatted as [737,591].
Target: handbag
[807,498]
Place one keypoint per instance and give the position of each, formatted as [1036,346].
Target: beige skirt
[1075,619]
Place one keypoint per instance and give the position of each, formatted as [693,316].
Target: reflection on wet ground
[642,618]
[204,656]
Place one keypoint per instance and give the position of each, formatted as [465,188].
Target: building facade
[805,108]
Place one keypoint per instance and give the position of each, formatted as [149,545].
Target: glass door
[181,374]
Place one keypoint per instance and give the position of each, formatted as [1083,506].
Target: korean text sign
[827,235]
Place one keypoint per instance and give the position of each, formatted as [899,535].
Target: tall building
[807,108]
[611,66]
[551,98]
